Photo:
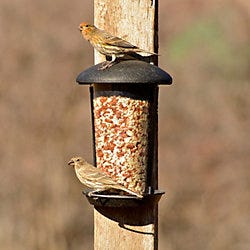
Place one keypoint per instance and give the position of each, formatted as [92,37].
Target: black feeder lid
[127,71]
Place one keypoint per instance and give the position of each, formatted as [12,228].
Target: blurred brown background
[204,121]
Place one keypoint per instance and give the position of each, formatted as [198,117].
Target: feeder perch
[124,105]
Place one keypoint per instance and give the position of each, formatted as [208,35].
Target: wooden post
[136,227]
[136,21]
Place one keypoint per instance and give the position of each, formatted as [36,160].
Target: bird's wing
[94,178]
[117,41]
[95,174]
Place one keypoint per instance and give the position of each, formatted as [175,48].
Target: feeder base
[114,200]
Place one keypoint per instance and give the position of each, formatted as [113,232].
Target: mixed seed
[121,138]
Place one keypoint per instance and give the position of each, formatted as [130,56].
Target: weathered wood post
[124,103]
[137,22]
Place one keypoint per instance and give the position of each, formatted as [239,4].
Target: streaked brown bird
[109,45]
[94,178]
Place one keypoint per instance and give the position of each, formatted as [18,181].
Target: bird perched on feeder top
[95,178]
[108,44]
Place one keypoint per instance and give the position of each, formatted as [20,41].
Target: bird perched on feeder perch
[96,179]
[109,45]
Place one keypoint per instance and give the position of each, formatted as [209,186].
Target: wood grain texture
[128,228]
[135,21]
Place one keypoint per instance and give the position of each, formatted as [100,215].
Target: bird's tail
[131,192]
[147,53]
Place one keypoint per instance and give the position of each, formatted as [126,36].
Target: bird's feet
[107,64]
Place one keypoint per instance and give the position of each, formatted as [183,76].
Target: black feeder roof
[127,71]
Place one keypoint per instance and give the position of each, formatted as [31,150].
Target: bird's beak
[71,163]
[80,28]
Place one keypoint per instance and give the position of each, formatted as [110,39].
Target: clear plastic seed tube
[121,139]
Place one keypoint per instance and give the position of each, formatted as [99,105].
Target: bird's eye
[78,160]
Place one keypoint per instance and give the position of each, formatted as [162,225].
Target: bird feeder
[124,106]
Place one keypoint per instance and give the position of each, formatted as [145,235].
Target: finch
[108,44]
[94,178]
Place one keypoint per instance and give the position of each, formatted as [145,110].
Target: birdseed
[121,138]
